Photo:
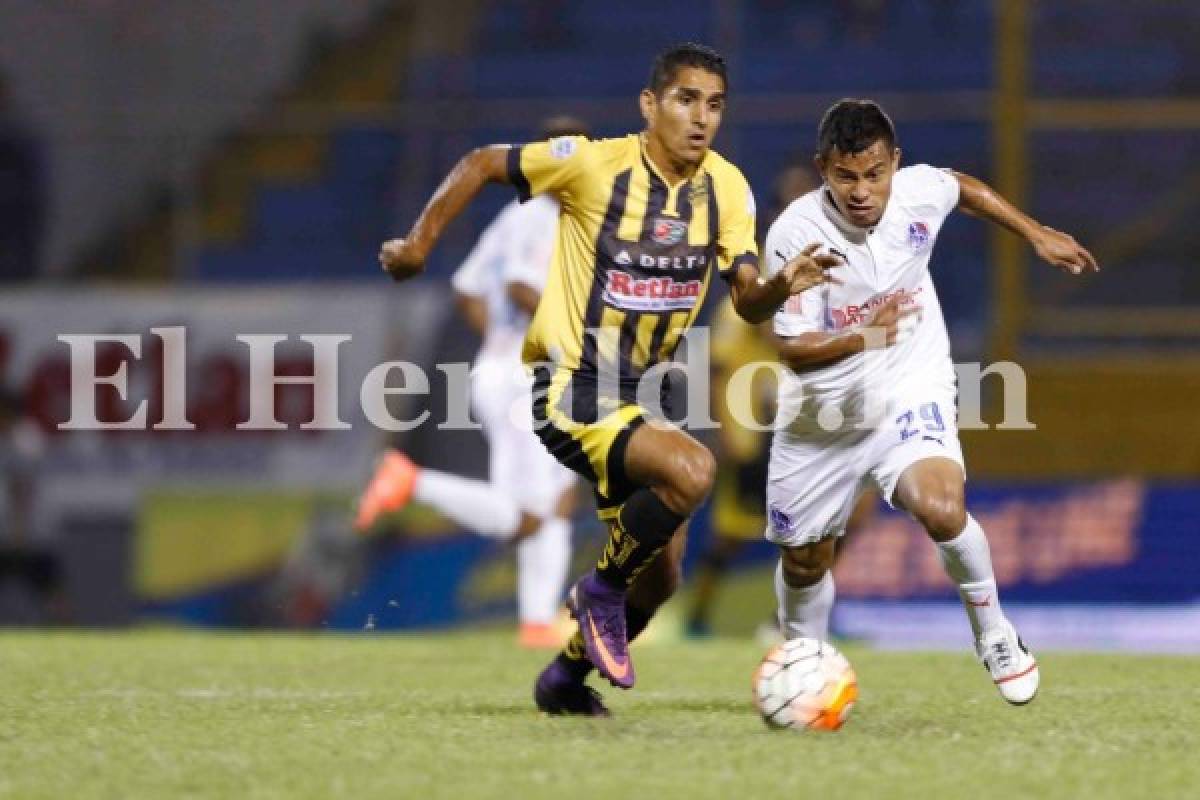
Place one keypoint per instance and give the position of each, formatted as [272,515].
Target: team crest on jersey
[562,148]
[918,235]
[668,231]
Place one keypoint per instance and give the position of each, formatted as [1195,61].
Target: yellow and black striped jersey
[634,256]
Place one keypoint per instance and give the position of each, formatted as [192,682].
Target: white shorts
[814,480]
[518,463]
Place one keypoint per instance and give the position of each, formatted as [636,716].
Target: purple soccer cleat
[557,692]
[600,611]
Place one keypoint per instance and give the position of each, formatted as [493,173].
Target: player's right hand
[889,317]
[806,270]
[401,259]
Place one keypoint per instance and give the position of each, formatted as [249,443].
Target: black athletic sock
[640,531]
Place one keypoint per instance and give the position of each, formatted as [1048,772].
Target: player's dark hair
[688,54]
[852,126]
[563,125]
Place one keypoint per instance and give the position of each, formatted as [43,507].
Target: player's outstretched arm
[819,349]
[757,298]
[405,258]
[1054,247]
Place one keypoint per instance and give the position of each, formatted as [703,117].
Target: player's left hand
[808,269]
[1061,250]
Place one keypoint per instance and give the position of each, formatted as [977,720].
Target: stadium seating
[328,226]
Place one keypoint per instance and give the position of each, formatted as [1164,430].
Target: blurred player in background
[886,417]
[528,497]
[739,493]
[645,220]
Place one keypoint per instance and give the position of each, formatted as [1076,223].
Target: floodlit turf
[165,714]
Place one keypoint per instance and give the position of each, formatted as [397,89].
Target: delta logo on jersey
[918,235]
[650,294]
[668,231]
[647,261]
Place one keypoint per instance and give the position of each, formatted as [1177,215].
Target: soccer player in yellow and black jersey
[646,219]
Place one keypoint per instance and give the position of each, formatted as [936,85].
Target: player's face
[861,182]
[684,119]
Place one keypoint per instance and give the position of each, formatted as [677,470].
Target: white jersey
[515,248]
[889,259]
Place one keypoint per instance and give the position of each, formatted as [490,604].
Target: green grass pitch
[177,714]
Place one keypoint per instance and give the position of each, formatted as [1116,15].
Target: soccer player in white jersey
[528,497]
[868,393]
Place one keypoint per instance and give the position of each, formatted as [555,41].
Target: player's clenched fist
[806,270]
[401,259]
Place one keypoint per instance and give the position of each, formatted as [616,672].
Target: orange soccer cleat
[390,489]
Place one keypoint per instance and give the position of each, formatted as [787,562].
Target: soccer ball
[805,684]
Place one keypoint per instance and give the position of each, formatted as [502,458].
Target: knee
[942,513]
[801,576]
[806,566]
[692,476]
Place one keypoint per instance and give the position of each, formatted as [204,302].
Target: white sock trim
[967,560]
[967,557]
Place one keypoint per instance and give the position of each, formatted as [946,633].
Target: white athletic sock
[542,563]
[804,612]
[476,505]
[968,561]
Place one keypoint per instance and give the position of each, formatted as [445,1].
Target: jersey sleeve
[554,166]
[937,186]
[804,312]
[735,234]
[531,243]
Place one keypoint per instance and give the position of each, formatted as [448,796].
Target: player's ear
[819,165]
[895,158]
[649,105]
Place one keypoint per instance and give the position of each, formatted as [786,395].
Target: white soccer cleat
[1012,666]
